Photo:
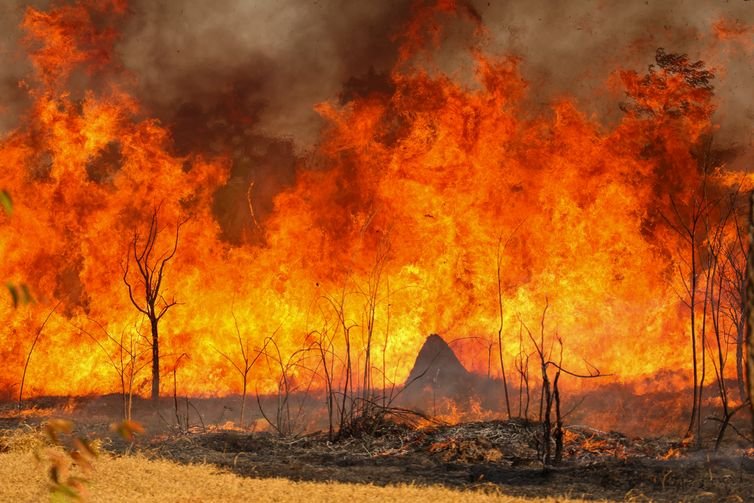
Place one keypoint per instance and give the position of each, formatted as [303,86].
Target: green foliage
[19,293]
[65,486]
[6,202]
[127,429]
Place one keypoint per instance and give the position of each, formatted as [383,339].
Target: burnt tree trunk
[740,372]
[155,359]
[558,420]
[146,294]
[545,410]
[750,308]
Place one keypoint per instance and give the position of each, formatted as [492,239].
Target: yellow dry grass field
[136,478]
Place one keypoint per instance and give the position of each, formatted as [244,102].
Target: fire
[736,31]
[394,236]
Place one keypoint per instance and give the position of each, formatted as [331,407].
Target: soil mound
[437,373]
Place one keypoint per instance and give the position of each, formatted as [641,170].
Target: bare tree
[284,422]
[31,351]
[750,308]
[350,407]
[501,246]
[522,367]
[385,395]
[550,396]
[723,268]
[151,271]
[323,344]
[687,222]
[127,361]
[247,362]
[735,289]
[175,393]
[371,300]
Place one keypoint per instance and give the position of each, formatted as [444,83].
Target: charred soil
[490,456]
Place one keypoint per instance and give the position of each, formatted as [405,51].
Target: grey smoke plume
[570,48]
[242,76]
[13,100]
[280,57]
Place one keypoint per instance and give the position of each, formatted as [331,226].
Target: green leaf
[85,446]
[127,429]
[6,202]
[26,294]
[13,293]
[62,492]
[19,293]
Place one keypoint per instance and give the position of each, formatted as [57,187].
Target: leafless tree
[346,406]
[687,222]
[127,359]
[750,308]
[522,367]
[31,351]
[735,287]
[246,364]
[175,393]
[723,269]
[550,395]
[284,422]
[385,395]
[371,300]
[149,283]
[323,345]
[342,356]
[500,248]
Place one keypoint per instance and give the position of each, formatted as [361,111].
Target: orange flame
[420,188]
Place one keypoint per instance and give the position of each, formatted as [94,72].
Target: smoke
[280,58]
[571,50]
[241,78]
[13,99]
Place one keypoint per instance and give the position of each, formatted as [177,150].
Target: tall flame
[414,193]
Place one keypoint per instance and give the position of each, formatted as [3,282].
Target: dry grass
[136,478]
[22,439]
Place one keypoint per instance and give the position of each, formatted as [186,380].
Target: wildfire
[434,198]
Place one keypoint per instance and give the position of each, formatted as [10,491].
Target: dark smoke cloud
[570,49]
[279,58]
[241,77]
[292,54]
[13,99]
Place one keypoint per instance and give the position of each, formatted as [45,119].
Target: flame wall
[419,179]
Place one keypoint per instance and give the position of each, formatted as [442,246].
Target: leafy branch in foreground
[70,460]
[19,293]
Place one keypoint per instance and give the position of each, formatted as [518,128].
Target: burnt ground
[490,455]
[486,455]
